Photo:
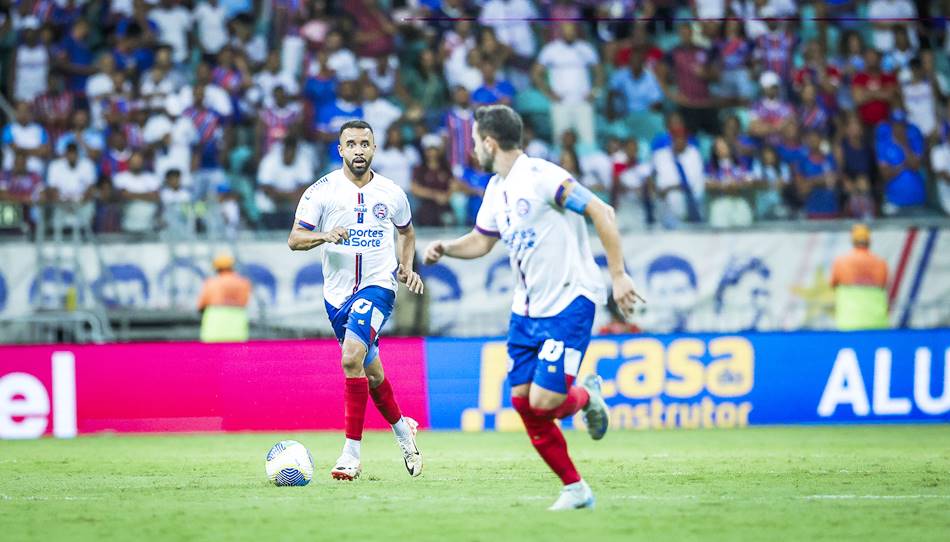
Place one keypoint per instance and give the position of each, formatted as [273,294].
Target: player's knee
[374,379]
[351,364]
[543,403]
[353,356]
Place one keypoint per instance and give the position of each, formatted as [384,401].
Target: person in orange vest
[860,282]
[223,304]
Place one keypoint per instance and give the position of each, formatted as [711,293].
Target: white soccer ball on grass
[289,464]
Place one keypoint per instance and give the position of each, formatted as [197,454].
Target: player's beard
[486,161]
[359,170]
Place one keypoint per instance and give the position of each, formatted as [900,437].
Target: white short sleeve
[547,56]
[309,210]
[552,183]
[589,54]
[266,172]
[485,222]
[402,215]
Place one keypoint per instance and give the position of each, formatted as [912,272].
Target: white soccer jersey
[370,214]
[547,244]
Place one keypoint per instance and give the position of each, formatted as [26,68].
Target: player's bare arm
[304,239]
[406,252]
[604,219]
[472,245]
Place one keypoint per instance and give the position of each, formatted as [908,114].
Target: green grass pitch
[797,483]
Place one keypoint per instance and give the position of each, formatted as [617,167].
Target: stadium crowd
[139,115]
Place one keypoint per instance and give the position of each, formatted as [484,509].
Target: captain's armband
[573,196]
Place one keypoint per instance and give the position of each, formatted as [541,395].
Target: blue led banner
[700,381]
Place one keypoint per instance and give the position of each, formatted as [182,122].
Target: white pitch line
[873,497]
[46,498]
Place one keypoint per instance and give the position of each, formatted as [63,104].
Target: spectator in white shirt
[728,183]
[395,159]
[511,21]
[382,112]
[381,72]
[25,137]
[121,8]
[567,83]
[99,87]
[886,11]
[171,142]
[214,97]
[461,36]
[920,100]
[462,70]
[680,180]
[535,147]
[72,180]
[251,44]
[178,212]
[31,65]
[271,77]
[341,60]
[211,19]
[139,190]
[90,140]
[174,24]
[159,82]
[283,174]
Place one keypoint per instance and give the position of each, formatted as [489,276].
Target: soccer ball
[289,464]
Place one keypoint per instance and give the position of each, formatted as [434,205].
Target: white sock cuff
[401,428]
[352,448]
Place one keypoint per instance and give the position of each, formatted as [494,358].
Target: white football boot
[596,413]
[410,452]
[574,496]
[347,468]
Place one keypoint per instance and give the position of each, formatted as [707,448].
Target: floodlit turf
[772,484]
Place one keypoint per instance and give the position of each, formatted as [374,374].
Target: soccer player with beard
[538,210]
[353,211]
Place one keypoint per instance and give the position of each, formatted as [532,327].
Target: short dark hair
[501,123]
[359,124]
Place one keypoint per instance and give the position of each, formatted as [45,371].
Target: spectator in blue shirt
[637,86]
[333,115]
[320,87]
[790,149]
[74,57]
[493,89]
[128,52]
[900,148]
[89,140]
[816,177]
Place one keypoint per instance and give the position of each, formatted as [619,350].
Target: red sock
[577,398]
[355,395]
[386,402]
[547,440]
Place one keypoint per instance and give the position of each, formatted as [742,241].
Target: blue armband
[577,199]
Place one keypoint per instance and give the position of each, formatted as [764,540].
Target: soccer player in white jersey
[539,211]
[354,212]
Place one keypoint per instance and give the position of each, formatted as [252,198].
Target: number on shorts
[362,306]
[551,350]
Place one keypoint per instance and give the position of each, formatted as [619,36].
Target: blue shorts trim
[547,351]
[362,317]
